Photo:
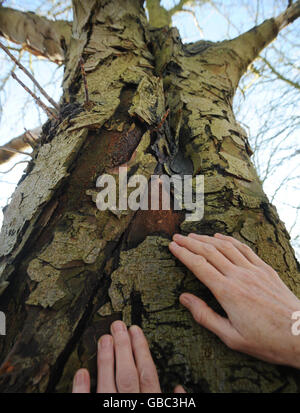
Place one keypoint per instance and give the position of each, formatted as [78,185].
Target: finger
[208,251]
[106,365]
[244,249]
[203,270]
[179,389]
[209,319]
[149,382]
[81,382]
[226,248]
[126,373]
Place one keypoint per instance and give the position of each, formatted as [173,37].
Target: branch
[47,110]
[279,75]
[38,35]
[178,7]
[249,45]
[10,169]
[9,149]
[158,15]
[30,76]
[288,16]
[193,14]
[17,144]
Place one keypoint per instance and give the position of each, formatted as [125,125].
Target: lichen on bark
[156,106]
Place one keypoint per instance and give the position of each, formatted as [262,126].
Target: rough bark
[38,35]
[159,16]
[69,270]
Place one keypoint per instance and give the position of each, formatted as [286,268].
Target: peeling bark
[36,34]
[68,270]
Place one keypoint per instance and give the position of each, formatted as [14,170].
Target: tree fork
[74,274]
[70,269]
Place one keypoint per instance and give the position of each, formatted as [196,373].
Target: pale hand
[259,306]
[125,364]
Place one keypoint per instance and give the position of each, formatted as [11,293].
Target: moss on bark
[69,269]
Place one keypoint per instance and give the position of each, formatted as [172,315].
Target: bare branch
[32,142]
[178,7]
[288,16]
[17,144]
[158,15]
[193,14]
[8,149]
[49,112]
[38,35]
[53,103]
[248,45]
[279,75]
[10,169]
[29,133]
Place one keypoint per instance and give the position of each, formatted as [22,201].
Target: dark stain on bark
[169,375]
[153,222]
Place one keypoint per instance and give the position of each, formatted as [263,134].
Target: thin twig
[38,100]
[28,141]
[197,24]
[279,75]
[10,169]
[87,100]
[28,132]
[163,120]
[27,138]
[8,149]
[43,92]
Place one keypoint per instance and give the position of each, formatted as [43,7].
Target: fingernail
[79,377]
[185,299]
[174,245]
[178,236]
[135,330]
[105,342]
[118,326]
[218,234]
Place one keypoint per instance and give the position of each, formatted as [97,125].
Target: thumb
[208,318]
[179,389]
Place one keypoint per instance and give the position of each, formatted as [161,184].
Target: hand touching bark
[125,364]
[258,304]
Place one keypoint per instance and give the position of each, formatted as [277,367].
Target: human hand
[258,304]
[125,364]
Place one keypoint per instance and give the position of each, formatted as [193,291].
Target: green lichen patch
[237,167]
[48,290]
[148,102]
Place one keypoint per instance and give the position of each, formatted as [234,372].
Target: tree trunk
[69,269]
